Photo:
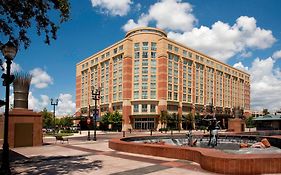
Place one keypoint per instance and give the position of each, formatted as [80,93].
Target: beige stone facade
[147,73]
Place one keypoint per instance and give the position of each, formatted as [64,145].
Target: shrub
[163,129]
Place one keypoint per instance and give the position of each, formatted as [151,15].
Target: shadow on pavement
[54,165]
[13,156]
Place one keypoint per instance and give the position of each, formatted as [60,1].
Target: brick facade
[152,78]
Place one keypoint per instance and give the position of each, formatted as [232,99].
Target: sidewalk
[94,157]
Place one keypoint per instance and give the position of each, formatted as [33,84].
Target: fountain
[222,154]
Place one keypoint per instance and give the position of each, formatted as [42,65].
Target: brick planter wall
[209,159]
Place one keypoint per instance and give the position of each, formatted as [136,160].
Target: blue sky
[243,33]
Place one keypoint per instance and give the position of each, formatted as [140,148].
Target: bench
[61,139]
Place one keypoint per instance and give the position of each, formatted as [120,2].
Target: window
[152,85]
[153,46]
[137,55]
[153,78]
[136,86]
[121,48]
[144,95]
[145,46]
[107,54]
[115,51]
[170,79]
[145,62]
[153,94]
[144,86]
[153,62]
[176,49]
[170,47]
[145,70]
[136,78]
[144,54]
[152,108]
[136,108]
[153,54]
[114,97]
[137,46]
[190,54]
[175,96]
[137,63]
[136,94]
[184,52]
[120,95]
[170,87]
[176,58]
[144,108]
[153,70]
[169,95]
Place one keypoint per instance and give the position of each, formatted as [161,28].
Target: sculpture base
[25,128]
[236,125]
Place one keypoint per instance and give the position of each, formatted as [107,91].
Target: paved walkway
[94,157]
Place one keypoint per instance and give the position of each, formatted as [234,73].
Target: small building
[268,122]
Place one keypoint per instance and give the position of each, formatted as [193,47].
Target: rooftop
[268,117]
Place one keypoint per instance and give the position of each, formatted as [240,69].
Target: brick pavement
[90,157]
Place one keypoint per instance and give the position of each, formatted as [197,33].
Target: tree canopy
[48,119]
[17,16]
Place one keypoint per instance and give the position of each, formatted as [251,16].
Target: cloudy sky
[244,33]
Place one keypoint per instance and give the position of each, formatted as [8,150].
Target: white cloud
[265,84]
[223,41]
[40,78]
[66,106]
[38,104]
[276,55]
[168,14]
[14,67]
[240,66]
[113,7]
[246,54]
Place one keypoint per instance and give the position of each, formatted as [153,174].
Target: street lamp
[9,50]
[96,97]
[88,123]
[54,103]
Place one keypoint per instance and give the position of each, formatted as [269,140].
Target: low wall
[209,159]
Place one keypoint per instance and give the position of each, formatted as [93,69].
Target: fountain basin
[209,159]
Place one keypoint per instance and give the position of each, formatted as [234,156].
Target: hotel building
[146,73]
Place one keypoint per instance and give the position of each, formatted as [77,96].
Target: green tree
[48,119]
[66,122]
[105,120]
[250,122]
[188,120]
[265,111]
[172,121]
[18,16]
[116,120]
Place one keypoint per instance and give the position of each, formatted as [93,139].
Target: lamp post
[9,50]
[88,123]
[95,97]
[54,103]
